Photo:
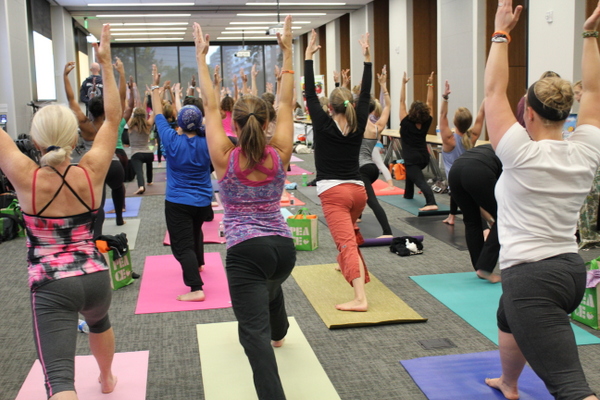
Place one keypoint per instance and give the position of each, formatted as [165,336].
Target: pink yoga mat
[162,282]
[378,185]
[131,370]
[295,159]
[210,230]
[296,170]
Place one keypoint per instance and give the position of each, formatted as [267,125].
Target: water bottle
[83,327]
[221,229]
[292,199]
[304,179]
[437,132]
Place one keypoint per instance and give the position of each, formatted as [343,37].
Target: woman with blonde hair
[140,127]
[454,144]
[543,276]
[67,274]
[338,139]
[260,248]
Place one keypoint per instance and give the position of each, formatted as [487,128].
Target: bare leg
[68,395]
[359,303]
[513,362]
[103,349]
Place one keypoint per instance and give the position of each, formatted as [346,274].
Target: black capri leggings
[414,176]
[472,187]
[369,173]
[137,160]
[55,307]
[114,179]
[536,300]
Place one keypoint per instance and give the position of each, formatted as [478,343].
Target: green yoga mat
[413,205]
[476,301]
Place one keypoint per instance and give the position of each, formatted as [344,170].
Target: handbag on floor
[305,229]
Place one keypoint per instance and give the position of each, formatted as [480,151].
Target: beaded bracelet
[430,84]
[588,34]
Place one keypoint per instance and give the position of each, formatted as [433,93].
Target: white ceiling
[213,15]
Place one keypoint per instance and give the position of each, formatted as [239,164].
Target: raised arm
[236,90]
[315,109]
[217,82]
[430,92]
[448,141]
[157,107]
[98,158]
[385,94]
[253,74]
[589,110]
[497,108]
[122,83]
[219,145]
[73,104]
[177,102]
[282,139]
[346,78]
[478,125]
[244,79]
[128,109]
[403,109]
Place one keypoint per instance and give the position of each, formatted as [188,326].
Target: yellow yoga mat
[226,372]
[325,287]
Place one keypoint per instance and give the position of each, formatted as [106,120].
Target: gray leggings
[536,300]
[55,307]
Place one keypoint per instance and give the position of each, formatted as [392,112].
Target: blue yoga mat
[413,205]
[462,376]
[132,205]
[476,301]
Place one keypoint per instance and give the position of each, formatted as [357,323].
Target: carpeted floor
[362,363]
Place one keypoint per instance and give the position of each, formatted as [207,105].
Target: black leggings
[114,179]
[184,224]
[54,313]
[256,268]
[414,176]
[158,146]
[137,160]
[473,187]
[369,173]
[536,300]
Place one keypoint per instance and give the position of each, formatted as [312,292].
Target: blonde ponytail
[54,130]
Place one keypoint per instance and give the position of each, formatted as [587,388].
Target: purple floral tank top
[252,209]
[61,247]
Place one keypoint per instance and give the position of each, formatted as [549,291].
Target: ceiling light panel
[138,4]
[144,33]
[142,15]
[145,29]
[147,39]
[295,4]
[275,14]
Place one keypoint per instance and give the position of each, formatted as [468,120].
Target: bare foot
[141,190]
[108,385]
[358,220]
[150,183]
[337,267]
[277,343]
[385,236]
[354,305]
[429,208]
[449,220]
[389,188]
[198,295]
[124,222]
[201,268]
[111,211]
[490,276]
[509,392]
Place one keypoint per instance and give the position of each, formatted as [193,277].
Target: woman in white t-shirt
[544,183]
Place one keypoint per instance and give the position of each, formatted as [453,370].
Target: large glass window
[231,66]
[273,57]
[166,61]
[189,67]
[127,57]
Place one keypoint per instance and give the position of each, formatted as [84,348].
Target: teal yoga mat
[476,301]
[413,205]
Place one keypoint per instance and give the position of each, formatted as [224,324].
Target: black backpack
[9,227]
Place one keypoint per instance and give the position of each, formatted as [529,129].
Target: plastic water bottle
[304,179]
[83,327]
[221,229]
[437,132]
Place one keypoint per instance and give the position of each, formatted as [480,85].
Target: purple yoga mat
[384,241]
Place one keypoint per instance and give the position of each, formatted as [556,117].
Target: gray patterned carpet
[362,363]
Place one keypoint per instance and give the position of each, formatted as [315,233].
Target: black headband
[544,111]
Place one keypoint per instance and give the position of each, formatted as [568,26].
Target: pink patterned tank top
[252,209]
[61,247]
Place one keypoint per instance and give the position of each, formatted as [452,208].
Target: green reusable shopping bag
[587,312]
[304,227]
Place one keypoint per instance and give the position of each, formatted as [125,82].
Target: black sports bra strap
[64,183]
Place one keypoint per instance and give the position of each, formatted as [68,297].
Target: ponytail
[250,114]
[467,140]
